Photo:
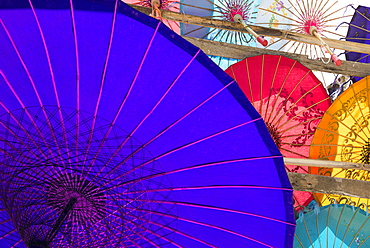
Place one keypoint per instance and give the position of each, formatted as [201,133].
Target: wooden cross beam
[277,33]
[240,52]
[330,185]
[227,50]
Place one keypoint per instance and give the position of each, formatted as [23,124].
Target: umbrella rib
[18,242]
[114,220]
[8,233]
[128,94]
[24,130]
[337,226]
[27,113]
[362,114]
[348,226]
[295,102]
[302,111]
[295,153]
[299,240]
[143,228]
[173,230]
[139,234]
[280,91]
[152,110]
[102,80]
[183,234]
[206,187]
[77,76]
[52,75]
[337,145]
[170,126]
[317,227]
[219,209]
[187,145]
[261,82]
[197,167]
[358,231]
[344,126]
[32,83]
[13,148]
[126,236]
[208,225]
[309,237]
[249,81]
[272,85]
[298,124]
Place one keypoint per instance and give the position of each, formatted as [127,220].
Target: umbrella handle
[259,38]
[333,57]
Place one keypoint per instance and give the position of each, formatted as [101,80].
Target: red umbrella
[290,99]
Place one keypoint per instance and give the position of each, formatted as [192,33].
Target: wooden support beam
[233,26]
[330,185]
[326,164]
[227,50]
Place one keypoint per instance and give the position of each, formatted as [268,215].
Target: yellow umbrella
[344,135]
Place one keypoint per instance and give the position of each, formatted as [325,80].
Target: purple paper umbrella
[359,31]
[116,132]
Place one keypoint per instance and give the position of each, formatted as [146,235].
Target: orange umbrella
[344,135]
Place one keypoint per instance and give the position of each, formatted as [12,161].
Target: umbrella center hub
[233,9]
[312,22]
[89,198]
[275,134]
[365,153]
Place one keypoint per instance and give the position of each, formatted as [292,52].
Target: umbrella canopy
[311,17]
[359,31]
[225,10]
[279,18]
[343,135]
[289,98]
[104,146]
[335,225]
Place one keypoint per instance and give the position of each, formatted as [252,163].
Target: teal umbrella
[335,225]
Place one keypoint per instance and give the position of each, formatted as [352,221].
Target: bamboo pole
[330,185]
[326,164]
[227,50]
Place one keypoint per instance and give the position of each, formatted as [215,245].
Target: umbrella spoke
[149,113]
[51,73]
[104,76]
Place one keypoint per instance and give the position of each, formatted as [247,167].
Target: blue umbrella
[242,11]
[116,132]
[335,225]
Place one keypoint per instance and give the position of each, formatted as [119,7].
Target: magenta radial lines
[60,194]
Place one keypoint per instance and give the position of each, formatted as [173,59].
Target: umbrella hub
[275,134]
[365,153]
[89,204]
[310,24]
[236,9]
